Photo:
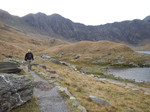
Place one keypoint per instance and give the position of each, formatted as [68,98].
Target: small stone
[135,89]
[76,57]
[146,93]
[76,103]
[65,90]
[45,75]
[56,76]
[56,84]
[64,63]
[51,81]
[52,71]
[62,79]
[45,57]
[82,108]
[127,87]
[55,61]
[72,98]
[43,66]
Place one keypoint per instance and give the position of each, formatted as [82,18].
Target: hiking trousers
[29,65]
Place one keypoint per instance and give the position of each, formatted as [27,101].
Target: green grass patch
[64,95]
[73,108]
[123,65]
[30,106]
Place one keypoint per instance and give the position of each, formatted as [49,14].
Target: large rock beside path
[14,91]
[9,67]
[99,100]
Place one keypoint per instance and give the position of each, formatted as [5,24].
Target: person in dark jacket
[29,58]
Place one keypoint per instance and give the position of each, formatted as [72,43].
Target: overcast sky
[89,12]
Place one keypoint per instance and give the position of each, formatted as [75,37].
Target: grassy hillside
[98,52]
[15,43]
[87,47]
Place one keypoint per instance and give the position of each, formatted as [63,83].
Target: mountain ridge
[135,32]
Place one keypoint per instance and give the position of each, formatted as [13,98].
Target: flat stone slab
[99,100]
[9,67]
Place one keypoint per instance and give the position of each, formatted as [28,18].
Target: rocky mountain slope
[135,32]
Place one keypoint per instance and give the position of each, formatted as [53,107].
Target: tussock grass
[80,86]
[30,106]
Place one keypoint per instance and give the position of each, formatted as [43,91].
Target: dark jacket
[29,56]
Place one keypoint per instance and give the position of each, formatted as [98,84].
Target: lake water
[137,74]
[144,52]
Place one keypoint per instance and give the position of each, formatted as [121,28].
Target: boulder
[9,67]
[52,71]
[55,61]
[14,91]
[99,100]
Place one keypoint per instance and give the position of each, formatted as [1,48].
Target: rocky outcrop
[52,59]
[14,91]
[9,67]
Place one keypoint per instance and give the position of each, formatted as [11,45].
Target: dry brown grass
[110,52]
[15,43]
[142,48]
[122,99]
[89,47]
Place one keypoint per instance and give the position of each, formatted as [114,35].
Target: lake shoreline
[137,74]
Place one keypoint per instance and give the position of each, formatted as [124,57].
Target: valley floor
[123,97]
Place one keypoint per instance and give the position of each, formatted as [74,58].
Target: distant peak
[40,13]
[147,19]
[5,14]
[55,15]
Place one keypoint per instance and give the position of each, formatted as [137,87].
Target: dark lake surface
[137,74]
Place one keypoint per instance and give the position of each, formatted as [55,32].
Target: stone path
[48,96]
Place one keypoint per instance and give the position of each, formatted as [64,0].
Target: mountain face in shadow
[135,32]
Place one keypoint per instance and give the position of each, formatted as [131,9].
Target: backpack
[29,56]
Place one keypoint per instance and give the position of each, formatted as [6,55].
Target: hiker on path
[29,58]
